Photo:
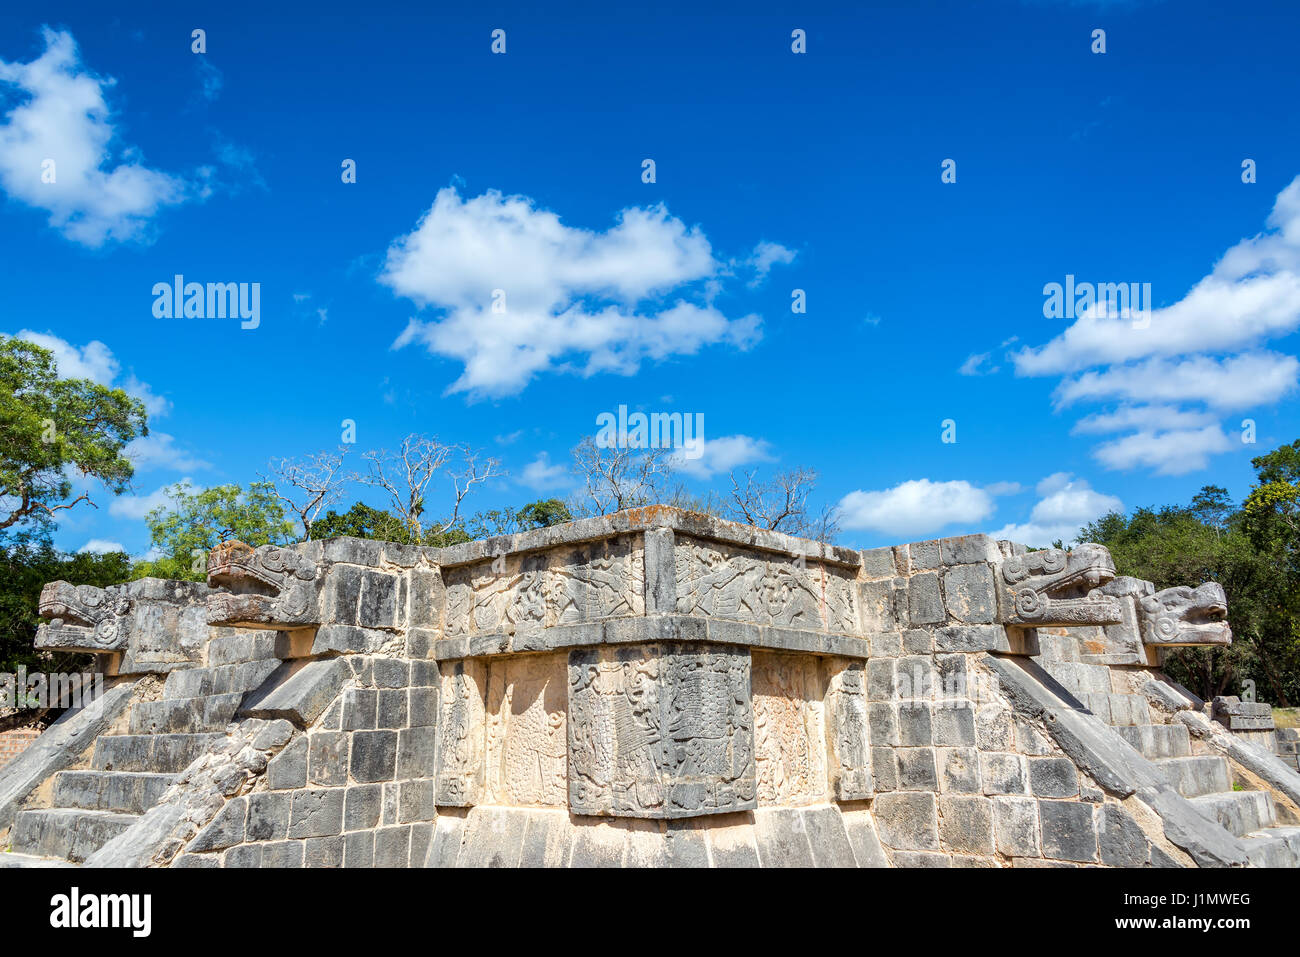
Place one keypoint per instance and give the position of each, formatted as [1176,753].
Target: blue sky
[775,171]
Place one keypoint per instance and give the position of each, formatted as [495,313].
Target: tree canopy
[50,427]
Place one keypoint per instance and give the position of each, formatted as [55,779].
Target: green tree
[51,426]
[26,565]
[183,533]
[1211,540]
[507,521]
[361,521]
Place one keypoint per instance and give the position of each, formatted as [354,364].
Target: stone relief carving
[459,740]
[789,729]
[762,588]
[1186,616]
[85,617]
[600,580]
[660,731]
[527,748]
[1053,587]
[851,752]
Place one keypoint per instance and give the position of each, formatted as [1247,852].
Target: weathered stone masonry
[650,688]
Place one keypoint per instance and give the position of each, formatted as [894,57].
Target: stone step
[185,715]
[68,833]
[27,860]
[1080,679]
[159,753]
[1055,648]
[1120,710]
[1158,740]
[1240,812]
[240,647]
[1274,847]
[1197,774]
[128,792]
[224,679]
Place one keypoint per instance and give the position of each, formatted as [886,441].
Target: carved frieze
[459,740]
[789,729]
[660,731]
[516,593]
[719,581]
[527,747]
[850,761]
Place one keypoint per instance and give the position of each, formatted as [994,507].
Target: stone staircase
[129,772]
[1204,779]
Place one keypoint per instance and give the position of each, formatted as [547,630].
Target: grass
[1286,717]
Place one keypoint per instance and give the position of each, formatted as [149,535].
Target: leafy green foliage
[49,426]
[1248,551]
[196,522]
[25,567]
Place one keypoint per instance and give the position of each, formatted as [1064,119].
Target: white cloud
[100,546]
[1174,452]
[765,256]
[96,362]
[541,475]
[915,507]
[157,450]
[974,365]
[138,506]
[1237,382]
[1189,362]
[1004,488]
[1065,505]
[723,454]
[1142,417]
[565,298]
[100,192]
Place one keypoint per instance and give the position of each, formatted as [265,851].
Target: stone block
[1067,830]
[415,752]
[884,769]
[374,756]
[393,846]
[958,770]
[965,549]
[323,852]
[1053,777]
[1120,841]
[1003,772]
[283,854]
[969,594]
[327,758]
[224,830]
[288,769]
[268,815]
[316,813]
[416,802]
[298,692]
[362,806]
[924,602]
[966,824]
[359,849]
[907,821]
[393,710]
[1015,825]
[914,725]
[953,723]
[916,769]
[360,707]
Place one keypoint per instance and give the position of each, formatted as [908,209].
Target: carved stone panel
[789,729]
[850,763]
[460,737]
[660,731]
[527,750]
[518,593]
[719,581]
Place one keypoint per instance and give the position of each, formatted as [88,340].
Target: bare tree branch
[317,479]
[781,504]
[619,478]
[406,474]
